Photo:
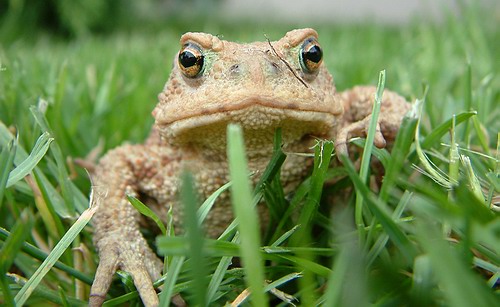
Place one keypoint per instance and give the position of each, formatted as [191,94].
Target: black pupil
[313,54]
[187,59]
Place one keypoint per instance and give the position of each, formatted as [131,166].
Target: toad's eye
[191,60]
[311,55]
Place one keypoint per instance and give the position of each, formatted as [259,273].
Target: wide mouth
[208,111]
[258,120]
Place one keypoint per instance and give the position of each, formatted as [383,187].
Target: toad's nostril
[274,68]
[235,69]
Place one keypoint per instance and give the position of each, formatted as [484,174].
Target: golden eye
[191,60]
[311,55]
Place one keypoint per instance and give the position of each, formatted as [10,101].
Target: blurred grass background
[93,69]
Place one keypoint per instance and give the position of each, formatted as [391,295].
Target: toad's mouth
[258,119]
[170,115]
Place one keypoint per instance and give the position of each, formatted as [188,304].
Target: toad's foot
[357,128]
[358,105]
[143,266]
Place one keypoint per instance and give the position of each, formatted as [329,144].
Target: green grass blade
[347,284]
[7,155]
[367,153]
[179,246]
[198,271]
[168,245]
[470,176]
[274,165]
[492,268]
[302,262]
[25,167]
[50,194]
[401,148]
[62,173]
[58,250]
[300,194]
[122,299]
[36,253]
[170,280]
[451,272]
[241,198]
[381,154]
[11,248]
[42,292]
[220,272]
[284,236]
[50,204]
[273,287]
[378,209]
[210,201]
[467,101]
[383,238]
[454,157]
[144,210]
[438,132]
[15,240]
[322,156]
[433,171]
[61,84]
[6,297]
[102,104]
[336,279]
[423,281]
[283,280]
[482,135]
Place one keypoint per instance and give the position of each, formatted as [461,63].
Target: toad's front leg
[358,105]
[117,237]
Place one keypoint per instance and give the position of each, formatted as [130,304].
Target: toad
[261,86]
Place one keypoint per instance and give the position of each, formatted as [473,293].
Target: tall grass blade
[219,273]
[423,281]
[210,201]
[322,156]
[36,253]
[11,248]
[381,241]
[198,271]
[7,155]
[401,149]
[367,153]
[437,133]
[451,272]
[347,281]
[144,210]
[380,211]
[170,280]
[432,170]
[70,202]
[25,167]
[49,192]
[44,293]
[241,198]
[58,250]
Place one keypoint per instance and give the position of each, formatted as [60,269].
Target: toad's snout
[256,72]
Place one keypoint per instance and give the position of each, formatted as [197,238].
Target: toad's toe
[143,266]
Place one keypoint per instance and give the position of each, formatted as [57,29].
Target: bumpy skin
[261,86]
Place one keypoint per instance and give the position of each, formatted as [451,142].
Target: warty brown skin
[250,84]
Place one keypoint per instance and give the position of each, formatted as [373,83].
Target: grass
[427,236]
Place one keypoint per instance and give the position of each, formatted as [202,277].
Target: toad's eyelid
[192,45]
